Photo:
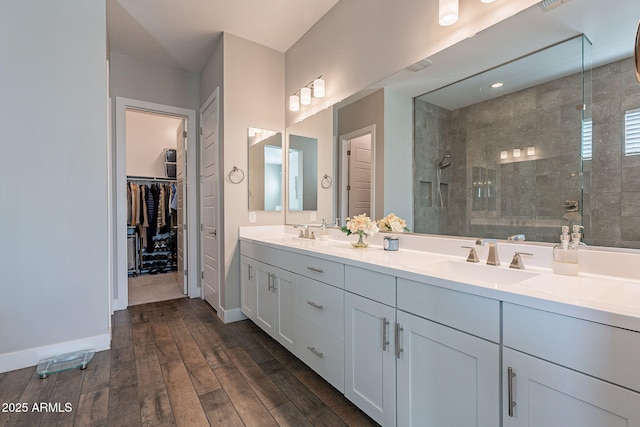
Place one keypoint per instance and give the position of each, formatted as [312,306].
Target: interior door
[209,203]
[359,187]
[181,187]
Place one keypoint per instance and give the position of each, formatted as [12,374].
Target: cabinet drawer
[475,315]
[322,305]
[258,252]
[320,269]
[370,284]
[286,260]
[595,349]
[322,352]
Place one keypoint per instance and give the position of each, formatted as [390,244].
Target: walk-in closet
[153,156]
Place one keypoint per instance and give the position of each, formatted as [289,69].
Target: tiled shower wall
[530,191]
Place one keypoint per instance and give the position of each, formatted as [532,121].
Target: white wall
[144,81]
[147,137]
[360,42]
[252,96]
[54,275]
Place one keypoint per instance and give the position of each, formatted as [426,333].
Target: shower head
[442,164]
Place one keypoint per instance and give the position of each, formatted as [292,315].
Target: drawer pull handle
[316,269]
[313,304]
[510,376]
[249,267]
[399,349]
[385,338]
[316,352]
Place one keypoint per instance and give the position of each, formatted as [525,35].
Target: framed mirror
[265,170]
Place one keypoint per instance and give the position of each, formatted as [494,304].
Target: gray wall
[614,191]
[54,256]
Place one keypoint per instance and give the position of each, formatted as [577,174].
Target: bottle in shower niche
[565,255]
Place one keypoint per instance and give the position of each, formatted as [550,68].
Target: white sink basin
[472,273]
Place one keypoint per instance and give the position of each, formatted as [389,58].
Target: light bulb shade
[448,12]
[305,96]
[294,103]
[487,1]
[318,88]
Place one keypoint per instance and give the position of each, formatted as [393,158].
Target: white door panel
[209,151]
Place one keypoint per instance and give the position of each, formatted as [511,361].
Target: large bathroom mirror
[494,187]
[310,170]
[265,170]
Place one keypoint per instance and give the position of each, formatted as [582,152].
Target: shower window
[587,139]
[632,132]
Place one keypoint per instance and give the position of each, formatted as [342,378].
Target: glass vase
[360,244]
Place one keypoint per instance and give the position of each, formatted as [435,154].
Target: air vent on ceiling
[420,65]
[547,5]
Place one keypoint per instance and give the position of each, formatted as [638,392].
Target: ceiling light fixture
[496,85]
[448,12]
[487,1]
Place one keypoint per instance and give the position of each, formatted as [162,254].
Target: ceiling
[182,34]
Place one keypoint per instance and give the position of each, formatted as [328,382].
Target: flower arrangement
[361,225]
[392,223]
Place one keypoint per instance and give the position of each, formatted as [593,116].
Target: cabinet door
[265,297]
[549,395]
[446,377]
[285,284]
[370,374]
[248,287]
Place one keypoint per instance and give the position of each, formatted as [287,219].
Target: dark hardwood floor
[174,363]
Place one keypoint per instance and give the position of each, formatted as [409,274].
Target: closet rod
[150,178]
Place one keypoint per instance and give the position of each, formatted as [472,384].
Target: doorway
[357,172]
[161,171]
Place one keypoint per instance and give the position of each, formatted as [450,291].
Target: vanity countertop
[599,298]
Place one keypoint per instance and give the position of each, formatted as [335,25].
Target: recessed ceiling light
[496,85]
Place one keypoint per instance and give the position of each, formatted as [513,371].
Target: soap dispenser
[324,234]
[565,255]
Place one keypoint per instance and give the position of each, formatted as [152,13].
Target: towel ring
[234,171]
[326,181]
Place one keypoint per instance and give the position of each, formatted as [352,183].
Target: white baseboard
[230,316]
[31,356]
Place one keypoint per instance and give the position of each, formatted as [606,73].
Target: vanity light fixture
[318,87]
[516,152]
[448,12]
[497,85]
[303,96]
[294,103]
[503,155]
[531,151]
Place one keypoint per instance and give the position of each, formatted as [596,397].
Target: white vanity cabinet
[370,349]
[447,377]
[269,289]
[562,371]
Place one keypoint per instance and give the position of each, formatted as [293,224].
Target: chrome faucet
[304,233]
[493,258]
